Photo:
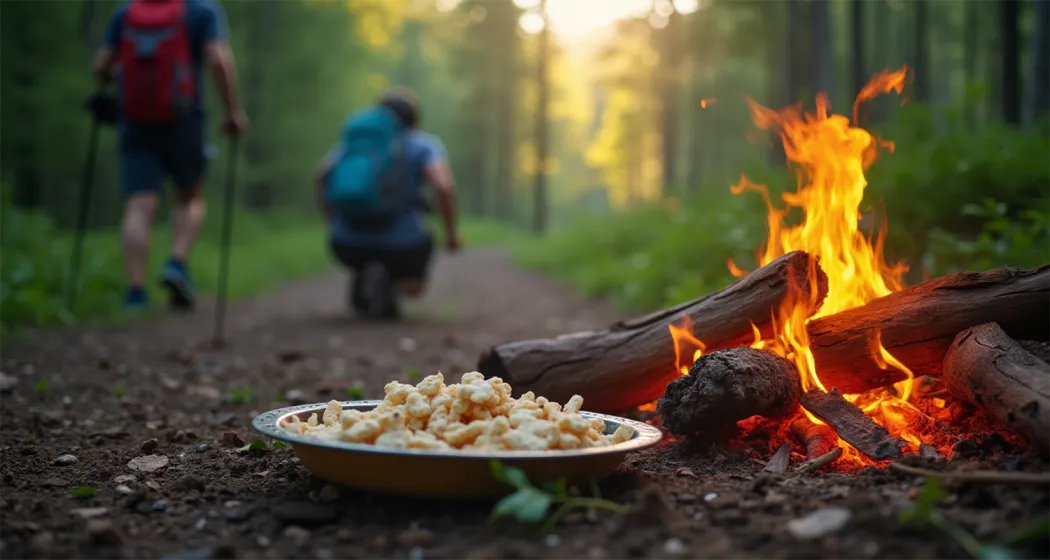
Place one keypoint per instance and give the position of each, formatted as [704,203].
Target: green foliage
[84,492]
[258,445]
[413,373]
[118,391]
[923,514]
[1020,238]
[241,396]
[42,387]
[280,445]
[355,392]
[530,504]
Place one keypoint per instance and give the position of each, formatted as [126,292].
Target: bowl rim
[269,424]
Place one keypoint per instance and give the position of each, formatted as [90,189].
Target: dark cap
[404,103]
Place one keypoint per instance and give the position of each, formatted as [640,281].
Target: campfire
[823,341]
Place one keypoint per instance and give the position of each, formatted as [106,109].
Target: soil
[157,389]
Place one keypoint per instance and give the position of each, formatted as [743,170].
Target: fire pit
[823,340]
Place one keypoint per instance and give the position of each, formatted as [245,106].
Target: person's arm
[439,176]
[324,167]
[104,65]
[220,59]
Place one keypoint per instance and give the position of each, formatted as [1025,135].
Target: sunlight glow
[531,23]
[577,18]
[446,5]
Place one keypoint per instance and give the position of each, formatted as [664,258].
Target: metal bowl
[441,473]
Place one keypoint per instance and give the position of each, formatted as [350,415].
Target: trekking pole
[227,231]
[84,204]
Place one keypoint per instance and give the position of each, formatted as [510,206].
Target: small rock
[674,547]
[42,542]
[232,439]
[148,463]
[123,489]
[819,523]
[7,383]
[102,533]
[160,505]
[407,344]
[328,494]
[203,447]
[200,524]
[296,533]
[65,460]
[927,451]
[237,513]
[89,513]
[685,472]
[150,445]
[263,541]
[552,540]
[710,496]
[295,396]
[416,537]
[67,400]
[415,553]
[153,484]
[124,479]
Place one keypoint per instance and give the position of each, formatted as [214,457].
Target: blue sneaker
[176,279]
[136,300]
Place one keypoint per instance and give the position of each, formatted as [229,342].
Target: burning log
[818,439]
[852,425]
[629,363]
[987,368]
[917,324]
[727,386]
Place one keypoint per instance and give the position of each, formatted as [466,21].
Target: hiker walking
[370,190]
[155,51]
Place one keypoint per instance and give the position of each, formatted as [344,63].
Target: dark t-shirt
[206,22]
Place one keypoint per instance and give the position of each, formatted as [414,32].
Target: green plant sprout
[530,504]
[241,396]
[355,393]
[413,373]
[84,492]
[41,387]
[119,391]
[923,514]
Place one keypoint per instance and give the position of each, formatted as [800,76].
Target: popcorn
[474,414]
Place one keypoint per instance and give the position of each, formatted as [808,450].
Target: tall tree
[921,54]
[858,73]
[971,40]
[1039,76]
[1010,12]
[820,48]
[539,209]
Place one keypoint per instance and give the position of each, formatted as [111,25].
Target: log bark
[987,368]
[818,439]
[630,362]
[918,324]
[852,425]
[727,386]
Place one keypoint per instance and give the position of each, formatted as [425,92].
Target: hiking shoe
[376,290]
[136,300]
[176,279]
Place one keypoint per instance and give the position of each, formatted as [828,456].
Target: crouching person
[370,190]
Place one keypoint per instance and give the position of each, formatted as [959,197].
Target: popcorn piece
[417,405]
[432,385]
[574,423]
[397,392]
[332,413]
[574,405]
[622,434]
[350,417]
[399,438]
[471,377]
[520,439]
[364,431]
[313,420]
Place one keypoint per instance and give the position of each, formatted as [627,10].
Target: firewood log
[988,369]
[818,439]
[852,425]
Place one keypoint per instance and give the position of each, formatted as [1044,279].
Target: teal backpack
[367,186]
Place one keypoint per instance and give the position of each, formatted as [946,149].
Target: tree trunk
[667,72]
[1010,61]
[1039,77]
[921,52]
[858,72]
[988,369]
[822,62]
[971,54]
[539,209]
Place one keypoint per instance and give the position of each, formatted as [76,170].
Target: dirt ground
[101,395]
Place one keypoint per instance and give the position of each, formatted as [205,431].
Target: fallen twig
[814,464]
[978,477]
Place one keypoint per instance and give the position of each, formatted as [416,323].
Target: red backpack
[156,78]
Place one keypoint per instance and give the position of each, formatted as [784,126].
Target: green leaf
[280,445]
[920,514]
[41,387]
[241,396]
[527,505]
[355,393]
[119,391]
[84,492]
[257,445]
[1035,531]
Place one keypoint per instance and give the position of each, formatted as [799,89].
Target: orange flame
[831,155]
[683,338]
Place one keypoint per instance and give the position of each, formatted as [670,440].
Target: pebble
[407,344]
[674,547]
[263,541]
[237,513]
[67,400]
[88,513]
[160,505]
[203,447]
[43,541]
[819,523]
[7,383]
[296,533]
[200,524]
[150,445]
[102,533]
[148,463]
[416,553]
[552,540]
[232,439]
[124,479]
[328,494]
[710,496]
[65,460]
[685,472]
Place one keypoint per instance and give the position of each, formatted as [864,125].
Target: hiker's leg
[139,210]
[186,218]
[141,175]
[410,267]
[352,258]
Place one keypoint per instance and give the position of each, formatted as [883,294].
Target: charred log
[918,324]
[818,439]
[987,368]
[630,362]
[852,425]
[728,386]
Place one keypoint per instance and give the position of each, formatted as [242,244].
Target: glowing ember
[832,155]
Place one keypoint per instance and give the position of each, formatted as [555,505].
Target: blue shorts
[149,154]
